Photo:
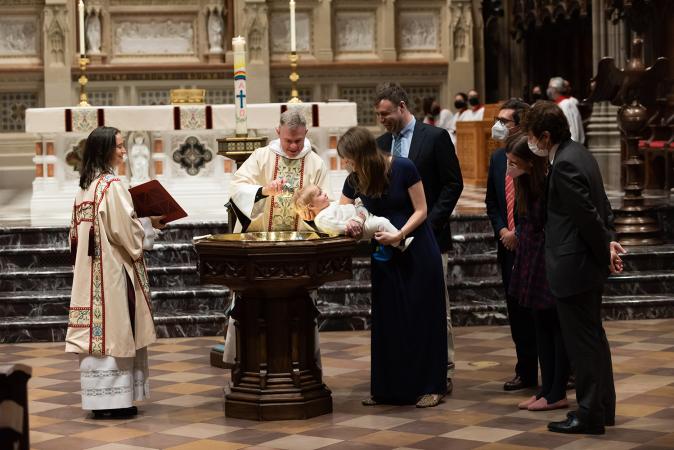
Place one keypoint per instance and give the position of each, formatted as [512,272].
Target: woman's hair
[301,200]
[98,151]
[372,167]
[528,186]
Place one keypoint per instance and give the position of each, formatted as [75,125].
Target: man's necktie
[397,145]
[510,201]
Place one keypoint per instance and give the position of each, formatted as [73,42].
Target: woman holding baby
[409,329]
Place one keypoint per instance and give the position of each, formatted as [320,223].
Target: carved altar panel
[19,36]
[419,31]
[280,32]
[155,36]
[355,32]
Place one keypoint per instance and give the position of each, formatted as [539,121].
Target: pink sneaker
[525,404]
[542,405]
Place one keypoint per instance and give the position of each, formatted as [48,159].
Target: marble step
[53,328]
[39,256]
[462,223]
[58,236]
[473,243]
[198,299]
[60,278]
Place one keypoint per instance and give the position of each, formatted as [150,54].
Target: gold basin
[269,236]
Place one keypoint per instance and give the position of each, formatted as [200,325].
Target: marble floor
[186,408]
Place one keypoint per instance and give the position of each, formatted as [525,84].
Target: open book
[151,199]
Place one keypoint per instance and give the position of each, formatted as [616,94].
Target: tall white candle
[239,48]
[293,42]
[80,8]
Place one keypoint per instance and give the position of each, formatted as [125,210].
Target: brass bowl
[268,236]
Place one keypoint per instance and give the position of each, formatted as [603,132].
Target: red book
[151,199]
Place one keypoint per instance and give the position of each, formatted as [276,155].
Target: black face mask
[536,96]
[474,101]
[459,104]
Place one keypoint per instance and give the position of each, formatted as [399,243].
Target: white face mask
[514,171]
[536,150]
[499,131]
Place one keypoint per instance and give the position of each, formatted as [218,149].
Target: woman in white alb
[110,321]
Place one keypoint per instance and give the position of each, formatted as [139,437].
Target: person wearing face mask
[435,115]
[529,282]
[461,106]
[500,203]
[476,109]
[557,93]
[536,93]
[580,252]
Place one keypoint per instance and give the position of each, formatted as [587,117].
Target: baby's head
[309,201]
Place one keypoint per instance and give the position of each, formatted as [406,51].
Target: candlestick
[239,48]
[293,42]
[80,8]
[294,78]
[83,80]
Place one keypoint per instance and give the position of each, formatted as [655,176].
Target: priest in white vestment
[110,321]
[262,191]
[263,186]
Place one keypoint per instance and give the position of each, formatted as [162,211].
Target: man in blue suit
[500,202]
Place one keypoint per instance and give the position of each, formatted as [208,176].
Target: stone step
[53,328]
[649,258]
[60,278]
[641,282]
[197,299]
[58,236]
[473,243]
[461,267]
[39,256]
[462,223]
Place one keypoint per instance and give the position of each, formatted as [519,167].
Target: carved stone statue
[215,29]
[140,161]
[93,34]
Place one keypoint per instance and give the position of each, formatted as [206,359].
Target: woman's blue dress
[409,321]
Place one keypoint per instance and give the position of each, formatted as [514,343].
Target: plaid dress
[528,282]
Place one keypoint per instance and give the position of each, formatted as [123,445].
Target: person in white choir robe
[110,321]
[262,191]
[569,105]
[262,187]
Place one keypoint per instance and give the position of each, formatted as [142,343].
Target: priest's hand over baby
[274,187]
[157,222]
[354,229]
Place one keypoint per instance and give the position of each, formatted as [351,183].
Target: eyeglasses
[503,120]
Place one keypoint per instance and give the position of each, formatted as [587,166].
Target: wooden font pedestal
[275,376]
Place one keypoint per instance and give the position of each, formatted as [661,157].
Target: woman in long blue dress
[409,328]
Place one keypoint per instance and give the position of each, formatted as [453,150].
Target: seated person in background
[312,203]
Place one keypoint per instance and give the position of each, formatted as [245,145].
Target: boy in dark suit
[580,251]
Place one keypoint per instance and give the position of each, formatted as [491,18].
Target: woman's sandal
[369,402]
[429,400]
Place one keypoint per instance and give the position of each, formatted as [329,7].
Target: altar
[175,144]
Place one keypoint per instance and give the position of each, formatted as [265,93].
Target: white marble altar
[181,143]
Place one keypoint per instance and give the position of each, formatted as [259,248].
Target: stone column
[59,40]
[323,27]
[387,30]
[256,30]
[461,71]
[603,136]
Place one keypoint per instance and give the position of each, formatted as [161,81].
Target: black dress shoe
[517,383]
[118,413]
[573,425]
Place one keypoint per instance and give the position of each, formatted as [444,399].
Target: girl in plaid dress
[528,282]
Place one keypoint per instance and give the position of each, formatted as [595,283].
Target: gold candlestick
[294,78]
[83,80]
